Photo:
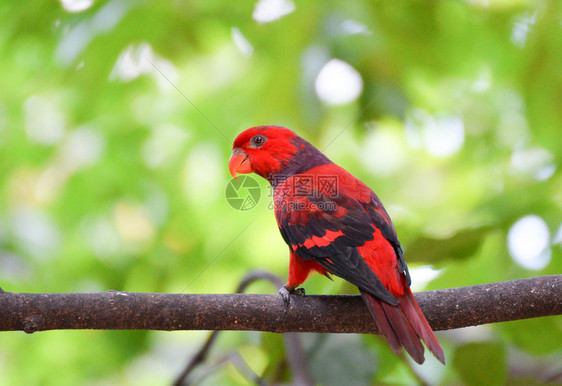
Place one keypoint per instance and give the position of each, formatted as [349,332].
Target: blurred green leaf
[536,336]
[481,363]
[355,364]
[460,246]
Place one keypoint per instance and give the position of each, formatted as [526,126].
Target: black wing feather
[341,256]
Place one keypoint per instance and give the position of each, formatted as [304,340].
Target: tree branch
[293,346]
[445,309]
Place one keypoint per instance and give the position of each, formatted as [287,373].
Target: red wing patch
[323,241]
[381,257]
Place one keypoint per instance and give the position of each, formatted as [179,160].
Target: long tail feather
[414,313]
[404,326]
[406,334]
[374,305]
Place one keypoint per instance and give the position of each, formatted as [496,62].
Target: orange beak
[239,163]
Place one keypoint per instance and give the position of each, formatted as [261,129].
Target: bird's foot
[286,291]
[299,292]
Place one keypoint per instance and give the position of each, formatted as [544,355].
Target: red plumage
[335,224]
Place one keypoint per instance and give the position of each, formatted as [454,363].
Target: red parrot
[335,224]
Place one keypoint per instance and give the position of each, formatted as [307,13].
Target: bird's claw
[285,293]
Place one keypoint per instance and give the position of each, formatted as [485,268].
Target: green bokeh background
[116,125]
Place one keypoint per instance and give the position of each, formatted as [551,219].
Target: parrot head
[262,150]
[274,153]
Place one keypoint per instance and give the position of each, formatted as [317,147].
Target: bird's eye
[258,140]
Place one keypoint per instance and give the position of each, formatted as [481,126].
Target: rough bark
[445,309]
